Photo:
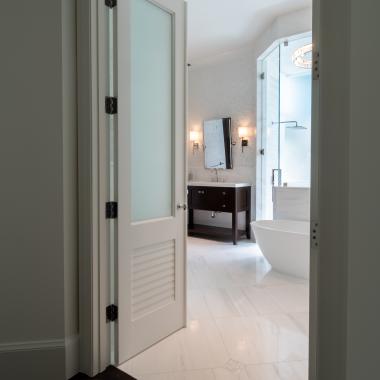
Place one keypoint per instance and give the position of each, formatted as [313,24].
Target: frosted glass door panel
[151,111]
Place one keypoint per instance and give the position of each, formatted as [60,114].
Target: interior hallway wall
[38,242]
[348,258]
[363,305]
[226,86]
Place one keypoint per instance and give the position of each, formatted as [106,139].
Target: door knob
[182,206]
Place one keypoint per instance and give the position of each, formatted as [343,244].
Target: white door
[151,172]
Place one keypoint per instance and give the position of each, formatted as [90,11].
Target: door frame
[95,346]
[94,351]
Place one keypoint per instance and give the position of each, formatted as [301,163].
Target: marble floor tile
[264,339]
[279,371]
[245,321]
[267,277]
[196,305]
[230,374]
[184,375]
[220,303]
[206,276]
[164,357]
[241,302]
[291,298]
[262,300]
[263,372]
[293,370]
[201,346]
[301,320]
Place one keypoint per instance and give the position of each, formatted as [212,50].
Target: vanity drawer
[212,199]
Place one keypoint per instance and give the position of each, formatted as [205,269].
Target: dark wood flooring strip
[111,373]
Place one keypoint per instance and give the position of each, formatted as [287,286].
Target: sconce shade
[194,136]
[244,132]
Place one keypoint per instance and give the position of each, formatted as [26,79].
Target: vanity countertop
[220,184]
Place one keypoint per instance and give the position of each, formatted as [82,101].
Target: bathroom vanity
[231,198]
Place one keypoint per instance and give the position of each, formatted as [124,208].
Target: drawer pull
[224,206]
[224,193]
[201,191]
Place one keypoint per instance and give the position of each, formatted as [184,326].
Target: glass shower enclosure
[284,120]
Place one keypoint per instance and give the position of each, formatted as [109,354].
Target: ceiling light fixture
[302,57]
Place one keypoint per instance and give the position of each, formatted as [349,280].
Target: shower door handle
[279,176]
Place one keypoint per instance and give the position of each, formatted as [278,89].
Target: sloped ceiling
[219,26]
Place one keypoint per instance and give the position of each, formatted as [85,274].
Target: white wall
[38,243]
[227,86]
[223,90]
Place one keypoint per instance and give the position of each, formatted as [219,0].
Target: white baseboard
[72,356]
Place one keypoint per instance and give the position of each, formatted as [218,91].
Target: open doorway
[245,319]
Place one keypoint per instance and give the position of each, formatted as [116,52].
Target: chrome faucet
[217,175]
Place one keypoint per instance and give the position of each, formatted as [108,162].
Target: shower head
[295,126]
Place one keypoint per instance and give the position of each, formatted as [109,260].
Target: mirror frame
[227,133]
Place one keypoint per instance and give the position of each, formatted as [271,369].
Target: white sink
[219,184]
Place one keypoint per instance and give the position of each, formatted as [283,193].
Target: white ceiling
[219,26]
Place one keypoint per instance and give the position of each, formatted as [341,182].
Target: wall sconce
[194,138]
[244,133]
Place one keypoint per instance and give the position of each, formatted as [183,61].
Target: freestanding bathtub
[285,244]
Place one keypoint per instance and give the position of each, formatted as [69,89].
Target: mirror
[217,143]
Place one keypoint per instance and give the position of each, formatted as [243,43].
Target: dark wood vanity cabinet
[220,199]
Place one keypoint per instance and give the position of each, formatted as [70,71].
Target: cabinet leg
[191,218]
[235,227]
[248,224]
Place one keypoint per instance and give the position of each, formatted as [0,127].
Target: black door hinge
[112,313]
[111,3]
[111,210]
[111,105]
[262,76]
[262,152]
